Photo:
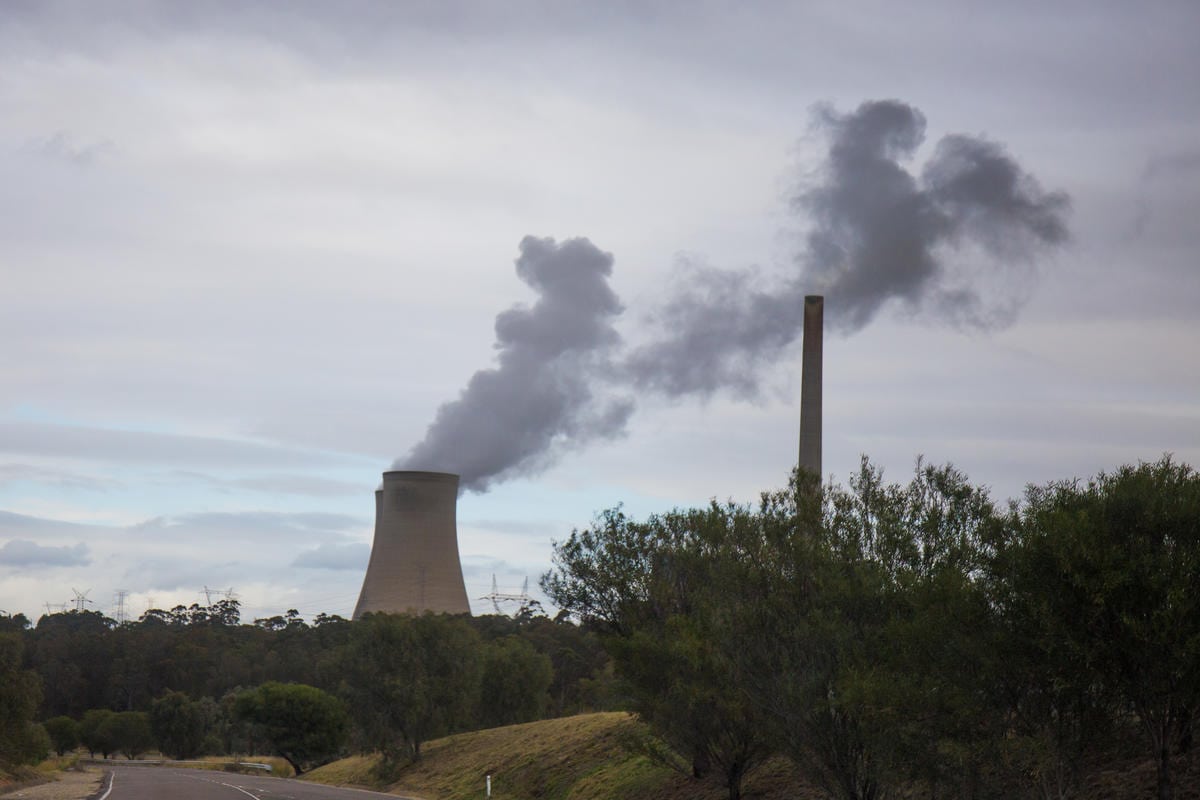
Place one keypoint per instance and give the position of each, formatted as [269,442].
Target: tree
[30,745]
[72,652]
[409,679]
[867,631]
[652,588]
[1111,569]
[514,682]
[21,739]
[127,732]
[63,732]
[303,724]
[179,725]
[845,626]
[94,735]
[225,612]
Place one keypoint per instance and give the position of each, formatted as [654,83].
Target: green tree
[848,627]
[32,744]
[1111,569]
[20,693]
[179,725]
[868,630]
[301,723]
[515,681]
[94,735]
[127,732]
[410,679]
[652,588]
[72,652]
[581,666]
[64,733]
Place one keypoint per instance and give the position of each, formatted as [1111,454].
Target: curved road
[157,783]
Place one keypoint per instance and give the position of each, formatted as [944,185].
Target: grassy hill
[588,757]
[575,758]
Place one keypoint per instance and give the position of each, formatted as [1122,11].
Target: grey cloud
[60,478]
[152,575]
[880,235]
[335,556]
[516,418]
[257,524]
[1172,165]
[24,553]
[102,444]
[511,527]
[280,483]
[21,524]
[252,527]
[65,147]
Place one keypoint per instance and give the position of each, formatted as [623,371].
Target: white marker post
[489,785]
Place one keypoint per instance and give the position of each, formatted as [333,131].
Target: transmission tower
[81,598]
[498,597]
[55,608]
[119,601]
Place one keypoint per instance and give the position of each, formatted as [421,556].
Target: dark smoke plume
[879,234]
[954,244]
[539,400]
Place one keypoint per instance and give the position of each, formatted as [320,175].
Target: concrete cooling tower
[414,563]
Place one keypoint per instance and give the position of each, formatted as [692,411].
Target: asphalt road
[160,783]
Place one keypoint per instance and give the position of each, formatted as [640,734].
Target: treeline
[913,640]
[908,640]
[186,681]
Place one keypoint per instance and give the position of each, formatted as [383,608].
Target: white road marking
[112,778]
[240,789]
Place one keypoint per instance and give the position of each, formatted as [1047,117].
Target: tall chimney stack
[414,564]
[810,384]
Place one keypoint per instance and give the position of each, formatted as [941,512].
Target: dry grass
[280,768]
[586,758]
[547,759]
[573,758]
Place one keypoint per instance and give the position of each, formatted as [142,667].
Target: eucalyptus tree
[1104,577]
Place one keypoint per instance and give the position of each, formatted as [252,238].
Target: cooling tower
[414,563]
[810,384]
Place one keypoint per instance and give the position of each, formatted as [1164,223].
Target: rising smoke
[539,401]
[879,235]
[954,244]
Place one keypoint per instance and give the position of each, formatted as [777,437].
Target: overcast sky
[248,250]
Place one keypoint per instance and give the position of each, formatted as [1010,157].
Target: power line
[81,598]
[498,597]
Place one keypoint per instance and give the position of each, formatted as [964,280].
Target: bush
[178,724]
[94,735]
[129,733]
[64,733]
[32,746]
[302,723]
